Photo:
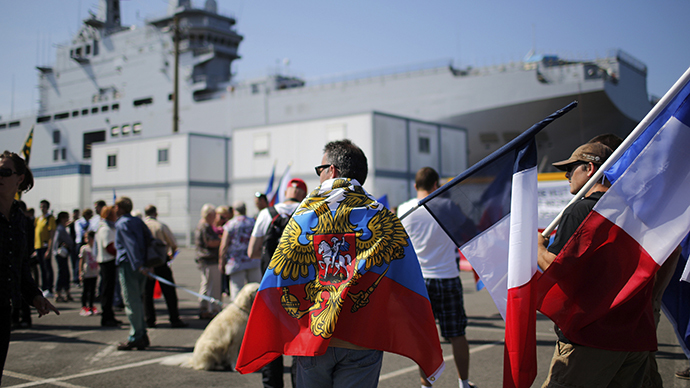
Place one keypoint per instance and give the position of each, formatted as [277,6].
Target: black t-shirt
[571,220]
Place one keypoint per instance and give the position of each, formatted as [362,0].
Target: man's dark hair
[125,204]
[348,159]
[151,211]
[46,202]
[99,204]
[425,178]
[608,139]
[62,216]
[21,167]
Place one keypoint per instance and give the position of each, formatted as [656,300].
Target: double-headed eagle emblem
[335,252]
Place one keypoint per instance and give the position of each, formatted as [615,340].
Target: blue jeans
[339,368]
[133,286]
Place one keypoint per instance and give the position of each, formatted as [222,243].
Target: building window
[88,49]
[61,116]
[56,154]
[125,129]
[84,112]
[424,145]
[116,106]
[143,101]
[105,108]
[42,119]
[64,153]
[261,144]
[114,131]
[94,110]
[56,137]
[136,128]
[163,156]
[89,139]
[112,161]
[75,113]
[95,47]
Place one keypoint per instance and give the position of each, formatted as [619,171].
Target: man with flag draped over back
[575,365]
[343,286]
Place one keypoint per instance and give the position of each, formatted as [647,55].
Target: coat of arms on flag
[335,254]
[344,263]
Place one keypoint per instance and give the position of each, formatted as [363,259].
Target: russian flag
[374,298]
[498,196]
[598,290]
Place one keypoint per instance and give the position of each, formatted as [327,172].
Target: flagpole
[532,131]
[639,129]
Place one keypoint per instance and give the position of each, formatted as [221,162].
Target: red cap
[298,183]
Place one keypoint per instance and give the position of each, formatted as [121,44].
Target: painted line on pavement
[415,368]
[59,381]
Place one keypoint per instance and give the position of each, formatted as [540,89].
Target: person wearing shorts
[437,258]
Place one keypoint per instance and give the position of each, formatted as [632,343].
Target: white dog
[219,344]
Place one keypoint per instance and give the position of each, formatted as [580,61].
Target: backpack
[156,253]
[272,237]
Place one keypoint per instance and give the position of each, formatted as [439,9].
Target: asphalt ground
[74,351]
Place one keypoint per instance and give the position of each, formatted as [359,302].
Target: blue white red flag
[598,290]
[498,237]
[676,299]
[278,194]
[344,269]
[269,185]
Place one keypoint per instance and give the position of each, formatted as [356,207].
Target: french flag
[505,256]
[498,196]
[598,290]
[269,185]
[676,299]
[278,195]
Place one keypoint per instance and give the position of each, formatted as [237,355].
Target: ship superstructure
[114,86]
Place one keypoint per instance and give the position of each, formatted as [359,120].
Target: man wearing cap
[272,374]
[575,365]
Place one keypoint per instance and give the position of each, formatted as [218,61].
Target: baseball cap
[298,183]
[591,152]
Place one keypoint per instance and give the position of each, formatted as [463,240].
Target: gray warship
[119,86]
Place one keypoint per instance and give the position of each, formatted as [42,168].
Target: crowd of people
[111,244]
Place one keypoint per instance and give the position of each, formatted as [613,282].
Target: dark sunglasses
[319,169]
[573,167]
[7,172]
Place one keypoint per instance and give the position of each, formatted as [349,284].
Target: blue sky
[327,37]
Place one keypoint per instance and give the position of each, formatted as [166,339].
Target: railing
[381,72]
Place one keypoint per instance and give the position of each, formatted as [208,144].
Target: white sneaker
[47,294]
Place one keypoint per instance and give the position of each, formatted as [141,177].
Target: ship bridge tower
[208,45]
